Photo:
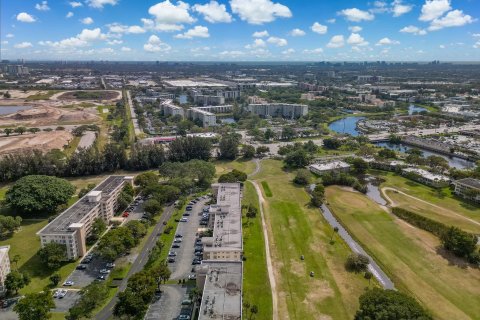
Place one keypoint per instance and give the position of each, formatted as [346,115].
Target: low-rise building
[331,166]
[426,177]
[73,226]
[207,118]
[4,267]
[169,109]
[468,188]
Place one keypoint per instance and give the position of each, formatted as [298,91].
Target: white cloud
[455,18]
[476,35]
[231,54]
[355,28]
[10,35]
[86,20]
[126,49]
[313,51]
[356,15]
[414,30]
[154,44]
[441,46]
[333,20]
[43,6]
[433,9]
[260,34]
[114,42]
[200,49]
[297,33]
[5,42]
[398,8]
[120,28]
[83,39]
[69,14]
[195,32]
[386,41]
[99,4]
[280,42]
[25,17]
[149,24]
[23,45]
[477,45]
[259,11]
[356,40]
[337,41]
[288,51]
[213,12]
[169,17]
[257,43]
[319,28]
[75,4]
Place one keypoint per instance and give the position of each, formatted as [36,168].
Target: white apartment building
[4,267]
[468,188]
[332,166]
[208,119]
[73,226]
[169,109]
[284,110]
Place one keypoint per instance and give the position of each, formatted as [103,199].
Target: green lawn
[410,256]
[42,96]
[266,189]
[246,166]
[256,285]
[440,197]
[297,229]
[26,244]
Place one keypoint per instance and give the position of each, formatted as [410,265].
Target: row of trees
[120,240]
[233,176]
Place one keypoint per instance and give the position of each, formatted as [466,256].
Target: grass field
[440,197]
[42,96]
[222,167]
[266,189]
[26,244]
[256,285]
[296,229]
[410,256]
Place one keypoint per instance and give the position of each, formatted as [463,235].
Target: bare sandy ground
[43,141]
[45,115]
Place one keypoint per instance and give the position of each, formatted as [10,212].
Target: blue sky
[243,30]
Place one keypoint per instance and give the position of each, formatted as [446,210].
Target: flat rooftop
[470,182]
[222,294]
[194,83]
[427,175]
[227,230]
[82,207]
[332,165]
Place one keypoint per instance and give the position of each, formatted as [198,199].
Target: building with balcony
[468,188]
[4,267]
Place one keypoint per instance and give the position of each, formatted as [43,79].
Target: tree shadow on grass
[454,260]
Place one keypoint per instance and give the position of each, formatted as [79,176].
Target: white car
[68,283]
[104,271]
[56,293]
[62,293]
[184,220]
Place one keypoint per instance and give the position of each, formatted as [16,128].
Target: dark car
[81,267]
[175,245]
[189,208]
[171,259]
[178,235]
[186,214]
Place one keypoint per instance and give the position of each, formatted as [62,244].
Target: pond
[13,109]
[413,108]
[347,125]
[228,120]
[454,162]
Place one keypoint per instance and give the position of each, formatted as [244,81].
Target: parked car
[183,317]
[81,267]
[125,214]
[186,214]
[178,240]
[178,235]
[175,245]
[104,271]
[192,276]
[184,220]
[172,254]
[68,283]
[110,265]
[61,294]
[55,293]
[171,259]
[189,208]
[101,277]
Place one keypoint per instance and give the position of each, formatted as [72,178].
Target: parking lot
[65,303]
[169,305]
[182,267]
[83,278]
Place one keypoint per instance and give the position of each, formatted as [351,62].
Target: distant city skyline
[241,30]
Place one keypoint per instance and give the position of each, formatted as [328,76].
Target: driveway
[83,278]
[62,305]
[169,305]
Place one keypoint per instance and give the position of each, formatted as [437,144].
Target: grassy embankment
[42,96]
[412,257]
[297,229]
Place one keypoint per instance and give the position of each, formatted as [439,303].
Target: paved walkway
[136,127]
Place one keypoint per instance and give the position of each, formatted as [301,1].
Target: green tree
[269,134]
[302,177]
[152,207]
[189,148]
[261,150]
[35,306]
[39,194]
[318,195]
[334,232]
[146,178]
[297,159]
[8,131]
[20,130]
[9,225]
[98,228]
[55,279]
[461,243]
[248,151]
[368,276]
[228,147]
[288,133]
[233,176]
[7,95]
[34,130]
[357,262]
[161,273]
[15,281]
[387,154]
[53,254]
[91,297]
[378,304]
[253,311]
[359,166]
[332,143]
[86,190]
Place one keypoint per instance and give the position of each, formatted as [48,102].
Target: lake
[452,161]
[413,108]
[347,125]
[13,109]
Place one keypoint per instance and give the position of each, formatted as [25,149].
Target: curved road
[373,267]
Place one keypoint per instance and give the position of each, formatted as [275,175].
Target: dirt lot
[44,115]
[20,94]
[43,141]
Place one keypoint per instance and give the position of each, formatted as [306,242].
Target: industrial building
[221,272]
[284,110]
[4,267]
[73,226]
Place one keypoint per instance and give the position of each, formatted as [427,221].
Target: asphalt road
[372,266]
[168,307]
[139,263]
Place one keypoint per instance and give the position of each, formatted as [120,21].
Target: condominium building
[468,188]
[217,109]
[284,110]
[200,99]
[426,177]
[207,119]
[332,166]
[73,226]
[4,267]
[220,275]
[169,109]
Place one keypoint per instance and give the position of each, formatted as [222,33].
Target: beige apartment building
[468,188]
[73,226]
[4,267]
